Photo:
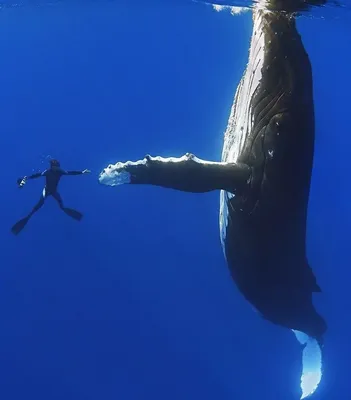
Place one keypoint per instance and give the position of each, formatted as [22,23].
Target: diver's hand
[86,171]
[21,182]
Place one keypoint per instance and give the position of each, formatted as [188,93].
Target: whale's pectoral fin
[187,173]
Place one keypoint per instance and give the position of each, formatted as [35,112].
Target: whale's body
[271,129]
[264,178]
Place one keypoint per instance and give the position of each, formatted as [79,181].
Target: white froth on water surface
[233,10]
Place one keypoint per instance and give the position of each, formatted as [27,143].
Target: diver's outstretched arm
[35,176]
[187,173]
[85,171]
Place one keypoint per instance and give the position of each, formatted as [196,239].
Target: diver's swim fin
[17,228]
[73,213]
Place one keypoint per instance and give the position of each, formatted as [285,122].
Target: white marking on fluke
[311,364]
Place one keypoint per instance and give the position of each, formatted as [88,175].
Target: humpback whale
[263,178]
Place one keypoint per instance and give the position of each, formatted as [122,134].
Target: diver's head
[54,163]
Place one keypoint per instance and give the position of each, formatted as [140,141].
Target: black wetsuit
[52,177]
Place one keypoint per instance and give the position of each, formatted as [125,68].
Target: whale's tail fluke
[311,364]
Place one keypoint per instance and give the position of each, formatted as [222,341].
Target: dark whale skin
[264,179]
[263,227]
[264,176]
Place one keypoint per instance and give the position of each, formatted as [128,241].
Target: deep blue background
[136,302]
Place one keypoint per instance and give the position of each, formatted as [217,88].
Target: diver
[52,177]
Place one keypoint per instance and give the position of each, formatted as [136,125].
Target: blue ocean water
[136,301]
